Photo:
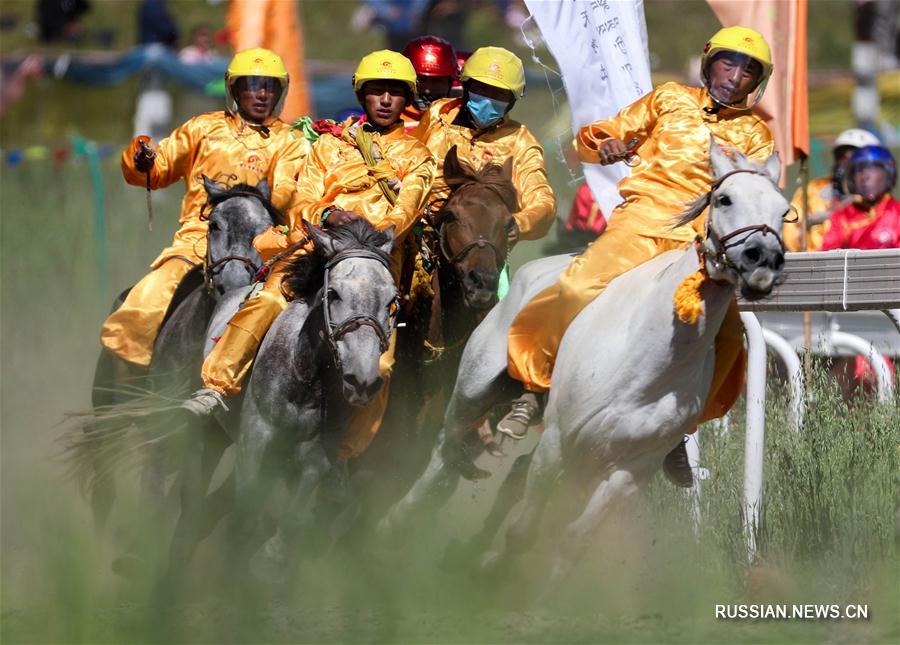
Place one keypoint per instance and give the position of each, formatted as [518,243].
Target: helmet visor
[257,97]
[731,77]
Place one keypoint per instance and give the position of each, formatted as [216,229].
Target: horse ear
[506,169]
[264,190]
[213,188]
[452,167]
[719,161]
[324,243]
[388,246]
[773,167]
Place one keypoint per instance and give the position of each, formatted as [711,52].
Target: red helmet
[461,58]
[432,56]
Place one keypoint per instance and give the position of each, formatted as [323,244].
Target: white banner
[600,47]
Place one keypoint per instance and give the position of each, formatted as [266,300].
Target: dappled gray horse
[236,216]
[621,401]
[318,363]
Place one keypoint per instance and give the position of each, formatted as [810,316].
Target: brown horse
[461,247]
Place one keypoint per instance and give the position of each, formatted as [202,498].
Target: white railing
[835,281]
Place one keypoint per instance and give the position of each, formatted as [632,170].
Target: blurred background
[78,78]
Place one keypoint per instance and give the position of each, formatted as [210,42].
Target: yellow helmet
[497,67]
[385,65]
[742,40]
[255,62]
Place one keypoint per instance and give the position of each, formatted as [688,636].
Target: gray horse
[238,214]
[617,407]
[318,363]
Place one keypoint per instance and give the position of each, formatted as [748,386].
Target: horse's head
[746,211]
[359,299]
[238,215]
[474,224]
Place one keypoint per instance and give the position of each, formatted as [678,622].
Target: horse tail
[98,442]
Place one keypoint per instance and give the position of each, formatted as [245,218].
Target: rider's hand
[339,217]
[612,151]
[512,234]
[143,155]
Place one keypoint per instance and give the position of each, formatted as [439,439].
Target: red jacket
[585,215]
[854,227]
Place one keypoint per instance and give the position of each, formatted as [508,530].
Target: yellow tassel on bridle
[688,300]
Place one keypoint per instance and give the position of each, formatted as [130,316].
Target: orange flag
[273,24]
[785,103]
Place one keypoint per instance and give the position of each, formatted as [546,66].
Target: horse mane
[243,190]
[695,208]
[305,274]
[490,176]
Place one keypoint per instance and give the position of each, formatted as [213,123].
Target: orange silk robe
[537,204]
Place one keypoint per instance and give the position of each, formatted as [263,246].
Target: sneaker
[525,412]
[204,402]
[677,467]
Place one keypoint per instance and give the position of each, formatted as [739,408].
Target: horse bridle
[334,332]
[211,269]
[480,243]
[717,244]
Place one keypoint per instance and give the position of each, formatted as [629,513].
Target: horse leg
[617,488]
[543,472]
[202,453]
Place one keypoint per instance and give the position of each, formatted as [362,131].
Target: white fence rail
[836,282]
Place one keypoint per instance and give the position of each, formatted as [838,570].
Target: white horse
[630,378]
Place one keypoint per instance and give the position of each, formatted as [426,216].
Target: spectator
[153,112]
[200,50]
[872,220]
[156,25]
[825,194]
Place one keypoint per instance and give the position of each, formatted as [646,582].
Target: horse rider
[478,124]
[872,219]
[244,144]
[672,125]
[434,60]
[825,195]
[366,168]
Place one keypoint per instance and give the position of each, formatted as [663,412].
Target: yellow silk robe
[537,204]
[673,124]
[225,148]
[334,174]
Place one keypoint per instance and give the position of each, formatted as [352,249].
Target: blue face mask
[485,111]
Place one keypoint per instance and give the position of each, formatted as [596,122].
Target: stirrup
[204,402]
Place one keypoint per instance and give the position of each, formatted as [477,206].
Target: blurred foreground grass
[829,524]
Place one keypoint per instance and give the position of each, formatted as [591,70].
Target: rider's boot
[526,411]
[677,467]
[204,402]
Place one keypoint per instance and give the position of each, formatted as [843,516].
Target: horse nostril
[752,256]
[374,387]
[779,261]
